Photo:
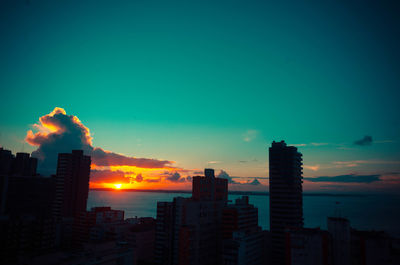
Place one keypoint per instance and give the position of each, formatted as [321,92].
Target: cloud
[107,176]
[102,157]
[352,178]
[255,182]
[139,178]
[58,132]
[223,174]
[153,180]
[313,168]
[367,140]
[356,163]
[175,177]
[299,145]
[250,135]
[319,144]
[311,144]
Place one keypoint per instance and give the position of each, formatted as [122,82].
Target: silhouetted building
[21,165]
[339,228]
[29,195]
[72,184]
[26,224]
[307,246]
[164,233]
[25,236]
[6,159]
[24,165]
[104,253]
[243,239]
[209,187]
[97,224]
[371,248]
[285,190]
[187,228]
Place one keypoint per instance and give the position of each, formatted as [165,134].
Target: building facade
[286,201]
[72,184]
[187,228]
[243,239]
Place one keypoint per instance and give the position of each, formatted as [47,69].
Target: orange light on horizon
[118,186]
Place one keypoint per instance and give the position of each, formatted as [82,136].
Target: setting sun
[117,186]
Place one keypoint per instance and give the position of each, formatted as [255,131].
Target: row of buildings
[206,229]
[209,229]
[44,220]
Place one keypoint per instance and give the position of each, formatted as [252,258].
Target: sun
[118,186]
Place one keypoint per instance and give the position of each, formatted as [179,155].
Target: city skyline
[199,132]
[59,132]
[189,86]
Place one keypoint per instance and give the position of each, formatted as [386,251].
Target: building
[20,165]
[309,246]
[209,187]
[189,227]
[6,159]
[72,184]
[24,165]
[26,224]
[164,233]
[339,228]
[243,239]
[285,190]
[371,248]
[105,253]
[97,225]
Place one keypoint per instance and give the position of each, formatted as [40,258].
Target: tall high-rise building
[286,201]
[72,184]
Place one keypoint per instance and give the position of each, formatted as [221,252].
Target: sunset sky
[157,91]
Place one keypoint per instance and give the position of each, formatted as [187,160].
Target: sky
[162,89]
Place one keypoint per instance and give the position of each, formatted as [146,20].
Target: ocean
[365,212]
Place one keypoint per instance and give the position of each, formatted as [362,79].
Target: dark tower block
[285,189]
[72,184]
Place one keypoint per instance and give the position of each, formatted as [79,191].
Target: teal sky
[197,81]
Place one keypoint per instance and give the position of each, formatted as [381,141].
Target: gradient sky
[213,83]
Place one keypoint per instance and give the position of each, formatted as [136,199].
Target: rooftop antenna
[337,212]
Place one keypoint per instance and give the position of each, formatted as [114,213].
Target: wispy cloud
[319,144]
[351,178]
[313,168]
[250,135]
[367,140]
[214,162]
[355,163]
[311,144]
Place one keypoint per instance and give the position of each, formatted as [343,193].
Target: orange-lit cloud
[58,132]
[313,168]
